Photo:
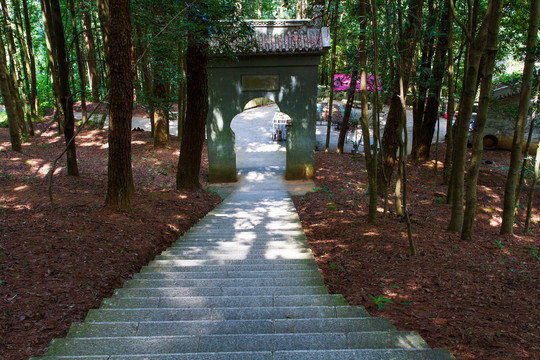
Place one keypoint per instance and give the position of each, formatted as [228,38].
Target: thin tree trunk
[348,107]
[422,146]
[332,73]
[526,158]
[372,168]
[406,48]
[181,89]
[7,97]
[80,62]
[25,64]
[16,68]
[160,109]
[91,60]
[120,177]
[66,99]
[50,40]
[189,163]
[424,79]
[475,51]
[479,124]
[507,226]
[533,187]
[450,105]
[33,78]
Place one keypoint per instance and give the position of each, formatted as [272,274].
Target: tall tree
[80,62]
[66,99]
[16,68]
[507,226]
[422,145]
[7,97]
[425,74]
[189,163]
[33,78]
[27,71]
[91,59]
[50,40]
[485,76]
[120,177]
[406,47]
[332,73]
[475,50]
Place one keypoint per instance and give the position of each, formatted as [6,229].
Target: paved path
[241,284]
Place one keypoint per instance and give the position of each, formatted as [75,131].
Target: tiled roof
[281,36]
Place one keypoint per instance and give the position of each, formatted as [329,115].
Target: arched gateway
[283,68]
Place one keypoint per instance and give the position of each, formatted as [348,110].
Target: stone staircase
[241,284]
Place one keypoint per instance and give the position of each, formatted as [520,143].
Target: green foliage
[534,252]
[3,120]
[380,301]
[512,79]
[498,244]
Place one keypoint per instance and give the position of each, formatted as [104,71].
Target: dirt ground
[55,265]
[478,298]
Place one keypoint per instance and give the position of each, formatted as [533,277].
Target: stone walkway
[241,284]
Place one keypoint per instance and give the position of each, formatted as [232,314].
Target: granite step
[227,268]
[171,274]
[234,343]
[349,354]
[227,282]
[231,313]
[223,301]
[222,327]
[221,291]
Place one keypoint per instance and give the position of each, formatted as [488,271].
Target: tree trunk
[66,99]
[407,47]
[189,163]
[120,177]
[7,97]
[91,60]
[533,187]
[373,154]
[33,78]
[507,226]
[160,99]
[332,73]
[479,124]
[468,94]
[27,71]
[146,74]
[50,40]
[181,89]
[422,145]
[424,78]
[348,107]
[450,106]
[80,62]
[16,68]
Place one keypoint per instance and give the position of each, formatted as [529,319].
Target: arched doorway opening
[260,135]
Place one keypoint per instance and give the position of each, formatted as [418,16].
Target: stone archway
[283,68]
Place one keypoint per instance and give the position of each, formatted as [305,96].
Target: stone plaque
[260,82]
